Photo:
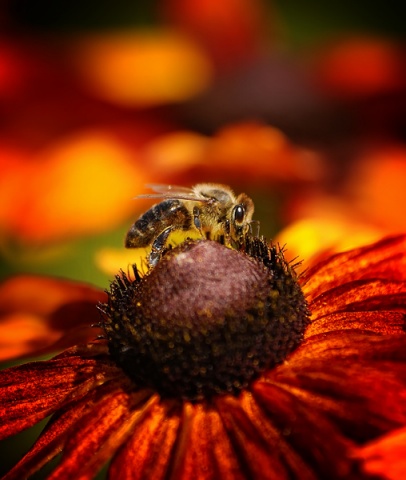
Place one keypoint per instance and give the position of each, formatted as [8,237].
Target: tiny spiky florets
[207,319]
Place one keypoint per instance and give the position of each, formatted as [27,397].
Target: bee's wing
[162,188]
[173,192]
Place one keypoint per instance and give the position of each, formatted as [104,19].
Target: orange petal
[385,259]
[237,147]
[37,312]
[377,186]
[178,151]
[385,457]
[15,169]
[231,153]
[312,238]
[81,185]
[143,68]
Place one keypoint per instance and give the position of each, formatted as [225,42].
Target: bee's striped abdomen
[156,220]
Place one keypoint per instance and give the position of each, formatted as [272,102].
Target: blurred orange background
[300,106]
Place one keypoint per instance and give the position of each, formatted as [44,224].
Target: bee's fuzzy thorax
[207,319]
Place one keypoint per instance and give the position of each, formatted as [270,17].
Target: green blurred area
[304,21]
[313,21]
[73,260]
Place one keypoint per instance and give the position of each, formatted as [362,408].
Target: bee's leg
[225,239]
[227,227]
[158,246]
[196,220]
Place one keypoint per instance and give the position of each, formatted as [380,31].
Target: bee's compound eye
[239,213]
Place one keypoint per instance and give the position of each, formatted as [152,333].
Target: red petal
[275,439]
[149,451]
[385,260]
[386,456]
[36,312]
[193,443]
[360,296]
[231,30]
[250,451]
[204,450]
[258,450]
[358,380]
[309,435]
[106,426]
[385,323]
[53,438]
[353,345]
[226,462]
[31,392]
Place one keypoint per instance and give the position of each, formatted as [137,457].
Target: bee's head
[241,216]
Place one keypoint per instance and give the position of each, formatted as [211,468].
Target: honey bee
[209,209]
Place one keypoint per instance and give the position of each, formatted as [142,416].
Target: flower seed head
[207,319]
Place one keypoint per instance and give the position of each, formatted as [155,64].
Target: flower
[309,407]
[87,165]
[35,312]
[364,208]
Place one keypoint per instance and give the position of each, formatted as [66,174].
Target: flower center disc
[206,320]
